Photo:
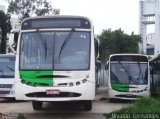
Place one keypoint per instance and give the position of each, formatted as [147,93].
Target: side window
[156,67]
[96,47]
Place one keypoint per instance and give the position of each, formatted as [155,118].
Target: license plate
[129,95]
[52,92]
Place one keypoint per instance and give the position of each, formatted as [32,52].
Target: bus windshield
[129,73]
[50,50]
[7,65]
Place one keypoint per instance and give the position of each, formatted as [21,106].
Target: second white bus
[128,76]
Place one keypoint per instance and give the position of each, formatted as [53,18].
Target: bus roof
[15,31]
[155,57]
[56,16]
[128,54]
[59,21]
[129,57]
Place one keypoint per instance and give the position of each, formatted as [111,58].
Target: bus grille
[61,95]
[4,92]
[5,85]
[127,96]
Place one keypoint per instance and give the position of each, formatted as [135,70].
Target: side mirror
[98,64]
[106,67]
[96,40]
[151,71]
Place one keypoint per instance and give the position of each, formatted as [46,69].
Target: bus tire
[112,100]
[37,105]
[88,105]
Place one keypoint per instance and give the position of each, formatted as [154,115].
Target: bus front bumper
[112,94]
[84,91]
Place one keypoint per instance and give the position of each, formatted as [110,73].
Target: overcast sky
[105,14]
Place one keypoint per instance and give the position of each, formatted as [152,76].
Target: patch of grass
[146,105]
[20,116]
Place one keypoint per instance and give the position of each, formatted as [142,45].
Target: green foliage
[20,116]
[117,42]
[27,8]
[146,105]
[5,27]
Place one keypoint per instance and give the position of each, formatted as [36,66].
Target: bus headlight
[70,84]
[29,83]
[36,84]
[23,81]
[78,83]
[84,80]
[12,92]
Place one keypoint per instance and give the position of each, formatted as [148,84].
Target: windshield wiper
[2,73]
[43,41]
[129,77]
[140,71]
[10,68]
[67,39]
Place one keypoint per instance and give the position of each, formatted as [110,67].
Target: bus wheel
[112,100]
[88,105]
[37,105]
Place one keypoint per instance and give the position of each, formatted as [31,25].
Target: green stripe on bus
[120,87]
[40,78]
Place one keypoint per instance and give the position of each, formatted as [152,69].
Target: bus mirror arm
[96,40]
[151,71]
[106,67]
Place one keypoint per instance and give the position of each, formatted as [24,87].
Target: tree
[117,42]
[27,8]
[5,27]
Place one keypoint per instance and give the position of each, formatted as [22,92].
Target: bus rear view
[128,76]
[7,74]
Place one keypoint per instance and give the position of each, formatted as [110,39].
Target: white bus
[56,60]
[155,75]
[128,76]
[7,74]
